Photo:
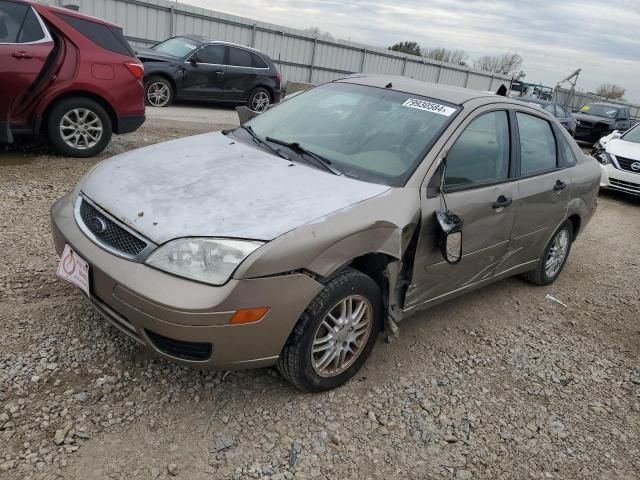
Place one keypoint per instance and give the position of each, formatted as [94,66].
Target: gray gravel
[501,383]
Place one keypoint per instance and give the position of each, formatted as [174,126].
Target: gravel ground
[501,383]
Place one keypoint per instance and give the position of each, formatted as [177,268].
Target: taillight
[136,69]
[278,79]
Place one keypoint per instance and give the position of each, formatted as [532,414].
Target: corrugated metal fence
[299,56]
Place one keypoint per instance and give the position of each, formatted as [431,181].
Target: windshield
[176,47]
[369,133]
[599,110]
[632,135]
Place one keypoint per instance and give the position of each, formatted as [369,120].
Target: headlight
[605,158]
[208,260]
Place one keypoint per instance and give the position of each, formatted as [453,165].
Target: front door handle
[560,185]
[20,55]
[502,202]
[219,72]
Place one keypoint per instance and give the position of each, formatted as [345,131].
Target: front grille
[625,164]
[634,187]
[198,351]
[107,232]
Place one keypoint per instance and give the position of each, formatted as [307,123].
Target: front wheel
[79,127]
[335,334]
[554,257]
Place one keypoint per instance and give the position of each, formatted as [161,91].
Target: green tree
[412,48]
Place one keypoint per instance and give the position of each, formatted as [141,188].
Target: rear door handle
[502,202]
[219,72]
[19,55]
[560,185]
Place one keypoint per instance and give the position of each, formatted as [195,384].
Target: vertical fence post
[466,80]
[364,56]
[491,82]
[253,36]
[171,15]
[404,66]
[313,58]
[439,73]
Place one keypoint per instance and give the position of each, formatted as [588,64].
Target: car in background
[562,114]
[67,76]
[293,239]
[619,157]
[596,120]
[192,67]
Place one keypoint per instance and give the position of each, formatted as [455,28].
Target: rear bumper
[620,180]
[130,123]
[185,321]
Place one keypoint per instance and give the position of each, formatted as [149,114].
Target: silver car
[296,238]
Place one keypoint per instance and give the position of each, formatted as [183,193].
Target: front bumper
[182,320]
[615,179]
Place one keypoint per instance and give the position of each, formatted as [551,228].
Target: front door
[479,186]
[204,74]
[25,46]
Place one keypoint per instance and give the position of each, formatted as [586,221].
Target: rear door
[480,187]
[243,73]
[204,78]
[25,45]
[544,187]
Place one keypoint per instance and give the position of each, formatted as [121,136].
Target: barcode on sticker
[429,107]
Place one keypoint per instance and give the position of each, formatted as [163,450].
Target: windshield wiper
[300,150]
[259,141]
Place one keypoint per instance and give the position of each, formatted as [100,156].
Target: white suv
[619,157]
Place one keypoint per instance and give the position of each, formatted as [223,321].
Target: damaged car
[595,120]
[295,239]
[619,157]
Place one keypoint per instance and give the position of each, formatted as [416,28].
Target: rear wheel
[259,100]
[79,127]
[554,257]
[335,334]
[158,92]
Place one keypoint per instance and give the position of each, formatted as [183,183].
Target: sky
[554,37]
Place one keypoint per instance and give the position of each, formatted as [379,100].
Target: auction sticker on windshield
[429,107]
[74,269]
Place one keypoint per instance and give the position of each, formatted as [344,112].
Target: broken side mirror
[194,59]
[450,238]
[616,134]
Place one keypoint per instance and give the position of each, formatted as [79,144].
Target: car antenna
[388,85]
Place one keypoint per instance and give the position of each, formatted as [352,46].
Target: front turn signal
[248,315]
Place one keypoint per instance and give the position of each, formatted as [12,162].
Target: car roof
[447,93]
[210,41]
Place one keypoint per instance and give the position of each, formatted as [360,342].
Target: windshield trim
[377,177]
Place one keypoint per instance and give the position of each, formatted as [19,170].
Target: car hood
[593,118]
[154,55]
[622,148]
[210,185]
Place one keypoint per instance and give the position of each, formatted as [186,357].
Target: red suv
[71,77]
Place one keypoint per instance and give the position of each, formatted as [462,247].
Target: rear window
[109,38]
[258,62]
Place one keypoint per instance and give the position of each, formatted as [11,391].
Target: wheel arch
[79,94]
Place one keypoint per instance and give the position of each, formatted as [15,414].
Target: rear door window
[105,36]
[481,153]
[31,30]
[240,58]
[213,54]
[537,145]
[12,16]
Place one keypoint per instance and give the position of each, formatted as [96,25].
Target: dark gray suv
[192,67]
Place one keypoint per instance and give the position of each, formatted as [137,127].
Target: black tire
[259,95]
[68,106]
[152,82]
[539,275]
[295,362]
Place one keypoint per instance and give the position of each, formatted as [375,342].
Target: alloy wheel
[260,102]
[158,94]
[81,128]
[557,254]
[341,336]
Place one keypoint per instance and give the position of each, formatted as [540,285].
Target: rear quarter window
[258,62]
[109,38]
